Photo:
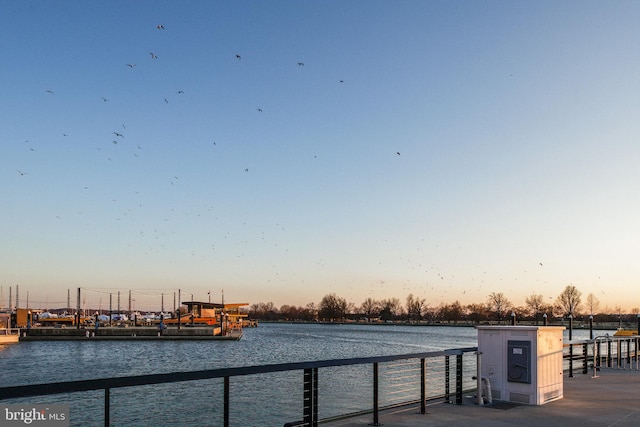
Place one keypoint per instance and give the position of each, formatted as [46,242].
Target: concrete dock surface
[611,399]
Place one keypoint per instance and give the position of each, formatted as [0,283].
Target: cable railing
[606,351]
[327,390]
[306,393]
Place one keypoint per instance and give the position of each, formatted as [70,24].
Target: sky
[281,151]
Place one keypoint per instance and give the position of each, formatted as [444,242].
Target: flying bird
[104,99]
[118,134]
[180,91]
[301,64]
[160,27]
[153,55]
[398,153]
[131,65]
[50,91]
[22,173]
[259,110]
[238,57]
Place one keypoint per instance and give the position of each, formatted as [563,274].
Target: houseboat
[225,318]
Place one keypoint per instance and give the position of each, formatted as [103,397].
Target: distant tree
[568,302]
[477,312]
[499,304]
[291,312]
[391,309]
[430,313]
[351,309]
[394,305]
[385,314]
[451,312]
[521,312]
[604,315]
[288,312]
[534,304]
[311,308]
[618,310]
[332,307]
[263,311]
[592,304]
[370,308]
[414,307]
[310,312]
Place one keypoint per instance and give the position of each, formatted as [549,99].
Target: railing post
[315,397]
[570,360]
[310,398]
[629,352]
[459,379]
[307,409]
[226,402]
[106,407]
[609,356]
[375,395]
[479,397]
[618,356]
[585,360]
[423,386]
[447,391]
[596,351]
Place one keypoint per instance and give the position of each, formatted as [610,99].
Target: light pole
[570,327]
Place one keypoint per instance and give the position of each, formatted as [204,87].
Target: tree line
[497,307]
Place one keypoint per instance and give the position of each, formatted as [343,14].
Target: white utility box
[522,363]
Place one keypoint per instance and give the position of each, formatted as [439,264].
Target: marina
[139,333]
[194,320]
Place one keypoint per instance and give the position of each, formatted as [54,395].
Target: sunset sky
[284,150]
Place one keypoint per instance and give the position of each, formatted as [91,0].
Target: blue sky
[444,149]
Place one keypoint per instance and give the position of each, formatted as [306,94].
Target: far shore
[576,325]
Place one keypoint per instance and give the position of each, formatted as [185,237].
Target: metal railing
[607,351]
[392,381]
[396,380]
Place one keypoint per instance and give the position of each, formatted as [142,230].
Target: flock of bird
[118,140]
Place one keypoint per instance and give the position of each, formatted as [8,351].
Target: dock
[129,334]
[610,399]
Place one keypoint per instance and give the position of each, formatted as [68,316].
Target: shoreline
[577,325]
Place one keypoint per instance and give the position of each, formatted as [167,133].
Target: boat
[9,335]
[224,318]
[626,333]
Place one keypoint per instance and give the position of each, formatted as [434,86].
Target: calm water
[199,403]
